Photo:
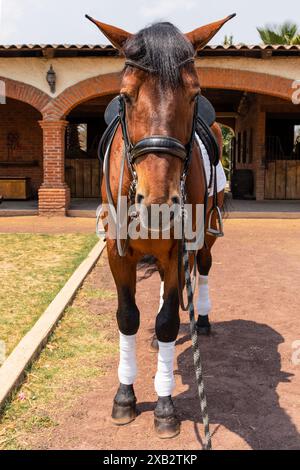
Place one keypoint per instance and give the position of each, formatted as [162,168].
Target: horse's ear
[116,36]
[201,36]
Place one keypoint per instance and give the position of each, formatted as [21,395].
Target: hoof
[124,408]
[167,428]
[204,330]
[154,348]
[203,326]
[166,423]
[122,415]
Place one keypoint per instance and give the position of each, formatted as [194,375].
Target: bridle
[153,144]
[156,143]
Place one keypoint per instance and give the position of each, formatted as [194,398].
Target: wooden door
[83,178]
[282,179]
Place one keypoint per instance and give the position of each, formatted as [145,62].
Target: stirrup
[219,232]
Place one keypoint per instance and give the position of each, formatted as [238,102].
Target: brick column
[54,194]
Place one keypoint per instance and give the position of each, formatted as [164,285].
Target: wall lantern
[51,79]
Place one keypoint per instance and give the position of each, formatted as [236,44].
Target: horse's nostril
[175,200]
[139,198]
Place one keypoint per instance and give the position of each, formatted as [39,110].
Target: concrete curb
[13,370]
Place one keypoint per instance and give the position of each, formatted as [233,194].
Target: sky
[62,21]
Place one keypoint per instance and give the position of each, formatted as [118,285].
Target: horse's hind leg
[154,343]
[128,317]
[204,262]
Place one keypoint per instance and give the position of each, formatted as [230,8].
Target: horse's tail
[216,129]
[148,266]
[227,204]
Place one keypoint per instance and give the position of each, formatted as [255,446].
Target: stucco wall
[68,70]
[73,70]
[287,67]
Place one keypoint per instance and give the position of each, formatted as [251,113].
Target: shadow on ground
[242,369]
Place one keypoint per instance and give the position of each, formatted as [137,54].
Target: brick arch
[63,104]
[210,77]
[262,83]
[26,93]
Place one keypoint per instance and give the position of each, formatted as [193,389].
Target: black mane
[160,47]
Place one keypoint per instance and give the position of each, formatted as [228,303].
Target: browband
[131,63]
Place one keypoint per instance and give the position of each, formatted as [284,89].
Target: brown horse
[159,91]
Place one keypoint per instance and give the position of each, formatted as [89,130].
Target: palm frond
[285,33]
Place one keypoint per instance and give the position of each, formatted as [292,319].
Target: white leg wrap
[127,369]
[164,379]
[203,301]
[162,291]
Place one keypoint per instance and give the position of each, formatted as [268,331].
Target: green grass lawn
[33,269]
[77,354]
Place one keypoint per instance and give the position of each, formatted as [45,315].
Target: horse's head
[160,86]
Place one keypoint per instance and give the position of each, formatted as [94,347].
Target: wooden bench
[15,188]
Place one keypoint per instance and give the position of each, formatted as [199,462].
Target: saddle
[205,119]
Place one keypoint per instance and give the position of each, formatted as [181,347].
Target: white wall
[73,70]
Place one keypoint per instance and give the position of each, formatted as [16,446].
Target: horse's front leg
[167,326]
[128,318]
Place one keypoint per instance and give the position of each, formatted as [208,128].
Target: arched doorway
[267,139]
[85,128]
[76,118]
[21,153]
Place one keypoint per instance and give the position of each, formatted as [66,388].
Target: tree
[228,41]
[286,33]
[228,135]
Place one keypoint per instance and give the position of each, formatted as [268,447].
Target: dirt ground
[252,384]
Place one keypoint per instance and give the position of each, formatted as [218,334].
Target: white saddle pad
[221,177]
